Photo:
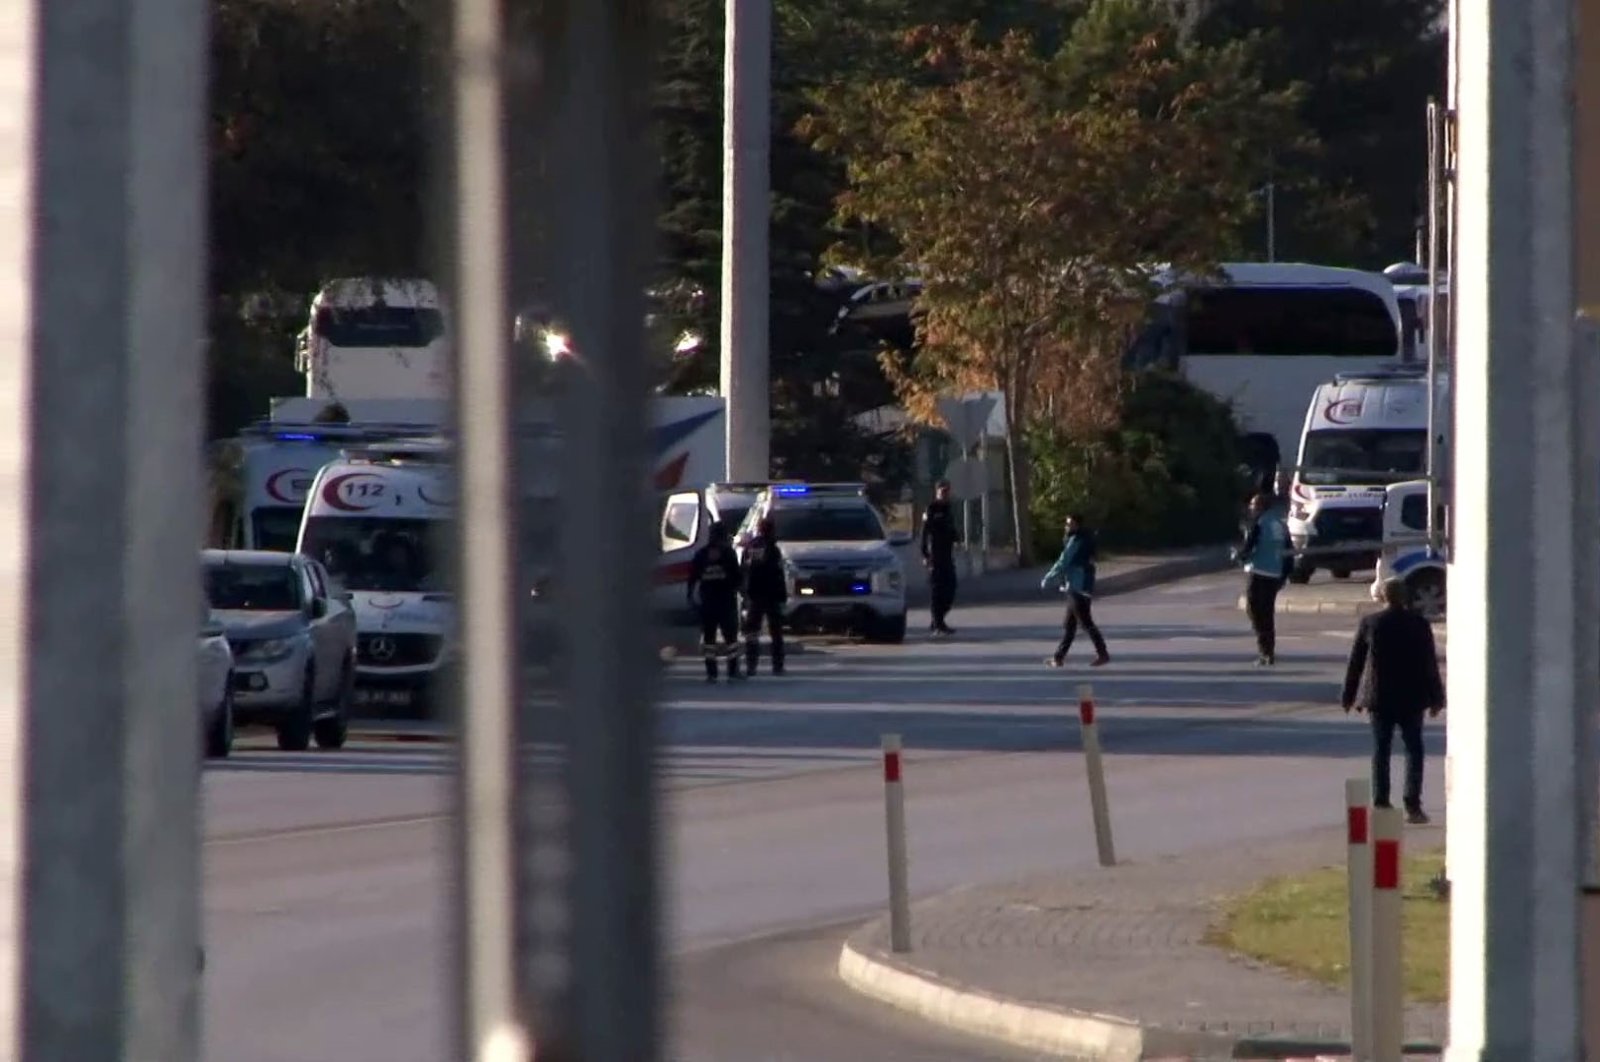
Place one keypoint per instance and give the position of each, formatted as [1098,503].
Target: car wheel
[294,733]
[332,730]
[891,629]
[1428,593]
[1301,573]
[219,735]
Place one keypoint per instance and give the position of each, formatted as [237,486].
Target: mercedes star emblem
[381,648]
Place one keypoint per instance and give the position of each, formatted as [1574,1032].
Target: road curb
[378,732]
[1023,1025]
[1294,606]
[1017,586]
[1058,1030]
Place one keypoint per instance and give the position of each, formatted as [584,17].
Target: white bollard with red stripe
[894,801]
[1094,767]
[1358,863]
[1388,948]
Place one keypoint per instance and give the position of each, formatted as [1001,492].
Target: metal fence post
[101,236]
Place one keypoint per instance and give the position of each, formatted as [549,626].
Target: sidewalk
[1112,964]
[1326,596]
[1121,573]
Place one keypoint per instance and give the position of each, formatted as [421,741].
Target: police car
[1406,553]
[839,558]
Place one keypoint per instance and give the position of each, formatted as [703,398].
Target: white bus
[371,337]
[1267,334]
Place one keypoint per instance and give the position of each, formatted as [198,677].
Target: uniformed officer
[765,591]
[939,556]
[714,572]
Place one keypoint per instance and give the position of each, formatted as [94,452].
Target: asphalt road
[326,874]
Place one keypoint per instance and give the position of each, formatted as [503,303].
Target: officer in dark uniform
[715,573]
[765,591]
[939,556]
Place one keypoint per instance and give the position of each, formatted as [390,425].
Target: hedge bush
[1168,476]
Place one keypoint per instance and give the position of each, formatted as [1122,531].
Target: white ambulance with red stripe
[377,518]
[265,473]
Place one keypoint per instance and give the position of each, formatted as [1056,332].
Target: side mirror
[899,538]
[319,607]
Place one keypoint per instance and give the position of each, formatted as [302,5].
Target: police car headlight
[887,579]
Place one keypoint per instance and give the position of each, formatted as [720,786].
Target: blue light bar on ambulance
[837,490]
[297,436]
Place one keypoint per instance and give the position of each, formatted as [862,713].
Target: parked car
[839,558]
[1406,554]
[293,635]
[216,688]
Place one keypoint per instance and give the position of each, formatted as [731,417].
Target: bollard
[895,817]
[1388,973]
[1358,863]
[1095,769]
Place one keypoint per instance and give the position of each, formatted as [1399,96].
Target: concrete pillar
[1586,115]
[746,213]
[1521,559]
[102,136]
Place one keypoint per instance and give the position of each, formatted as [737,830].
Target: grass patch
[1302,924]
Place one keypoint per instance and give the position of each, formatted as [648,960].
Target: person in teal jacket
[1266,555]
[1074,569]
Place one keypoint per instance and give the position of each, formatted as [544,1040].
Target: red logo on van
[289,485]
[1343,410]
[345,492]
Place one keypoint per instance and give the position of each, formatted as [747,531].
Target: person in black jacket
[765,591]
[714,572]
[939,556]
[1393,676]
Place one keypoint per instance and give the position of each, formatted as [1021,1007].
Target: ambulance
[1363,431]
[376,518]
[262,476]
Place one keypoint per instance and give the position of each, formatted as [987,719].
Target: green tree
[320,115]
[1367,68]
[1030,192]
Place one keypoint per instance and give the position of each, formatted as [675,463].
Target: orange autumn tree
[1032,194]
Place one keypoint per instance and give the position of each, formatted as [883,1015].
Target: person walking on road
[1075,570]
[714,572]
[1393,676]
[1266,556]
[765,592]
[939,556]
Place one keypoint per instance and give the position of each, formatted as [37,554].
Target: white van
[1362,432]
[372,337]
[375,517]
[263,477]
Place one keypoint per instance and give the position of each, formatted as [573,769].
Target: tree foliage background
[1032,189]
[323,113]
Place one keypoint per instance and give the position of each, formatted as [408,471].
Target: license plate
[393,698]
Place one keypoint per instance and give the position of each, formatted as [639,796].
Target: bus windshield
[1363,457]
[378,326]
[363,553]
[1289,321]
